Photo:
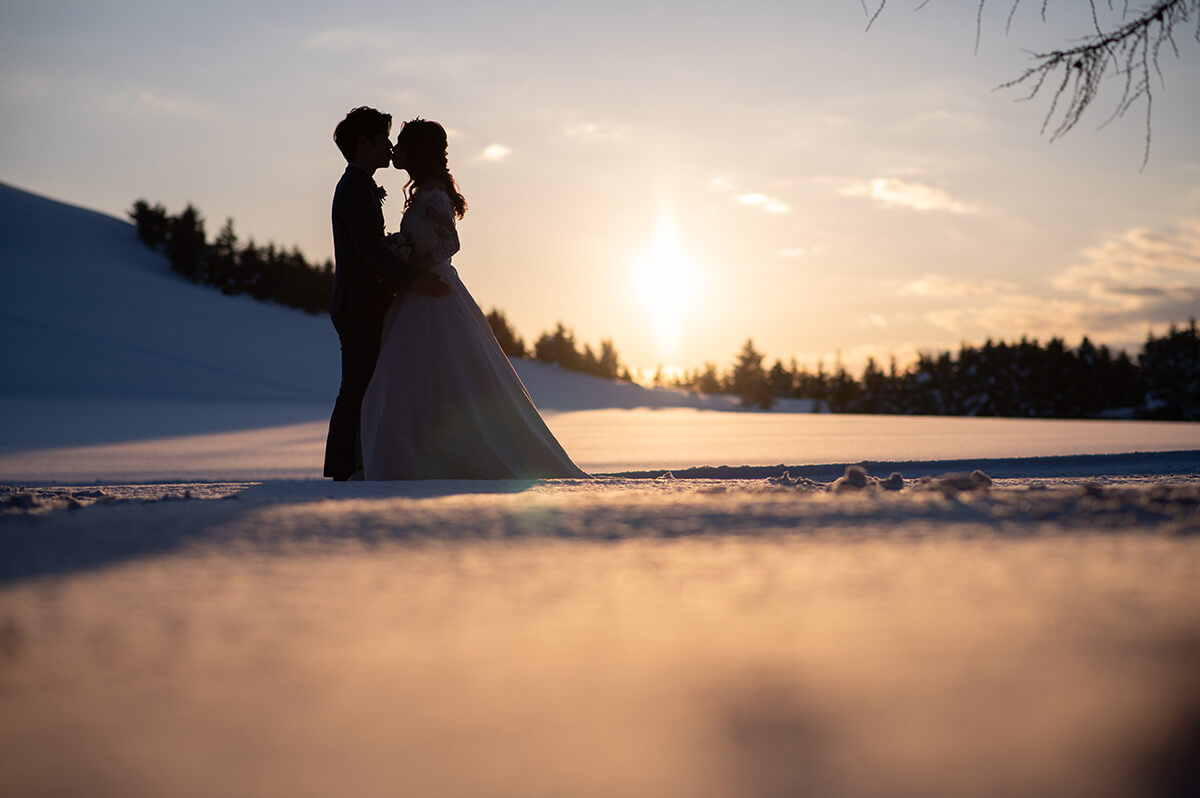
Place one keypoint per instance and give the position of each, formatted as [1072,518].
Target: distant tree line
[558,346]
[1025,378]
[265,273]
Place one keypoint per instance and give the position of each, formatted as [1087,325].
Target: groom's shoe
[357,476]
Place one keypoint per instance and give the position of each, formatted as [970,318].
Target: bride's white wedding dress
[444,401]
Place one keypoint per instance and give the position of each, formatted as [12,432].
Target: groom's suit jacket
[366,271]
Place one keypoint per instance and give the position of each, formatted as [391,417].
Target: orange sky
[677,178]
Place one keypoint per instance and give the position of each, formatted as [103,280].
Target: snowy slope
[91,312]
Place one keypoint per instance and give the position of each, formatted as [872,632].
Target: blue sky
[677,177]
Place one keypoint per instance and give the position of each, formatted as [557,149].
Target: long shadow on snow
[56,540]
[93,421]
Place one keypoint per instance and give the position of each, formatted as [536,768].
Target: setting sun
[666,281]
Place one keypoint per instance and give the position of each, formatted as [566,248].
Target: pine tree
[224,260]
[609,363]
[186,244]
[748,379]
[558,347]
[512,344]
[873,391]
[842,390]
[813,386]
[251,271]
[152,223]
[1171,368]
[707,381]
[781,380]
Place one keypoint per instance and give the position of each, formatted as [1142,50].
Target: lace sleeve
[429,225]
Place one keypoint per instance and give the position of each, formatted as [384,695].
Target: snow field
[618,637]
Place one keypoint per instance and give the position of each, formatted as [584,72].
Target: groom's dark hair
[361,121]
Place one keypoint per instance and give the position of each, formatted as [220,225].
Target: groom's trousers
[359,335]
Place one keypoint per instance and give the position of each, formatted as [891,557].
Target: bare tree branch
[1130,50]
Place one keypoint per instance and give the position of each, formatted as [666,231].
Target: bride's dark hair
[424,145]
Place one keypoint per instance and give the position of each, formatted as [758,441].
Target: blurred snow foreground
[959,636]
[182,613]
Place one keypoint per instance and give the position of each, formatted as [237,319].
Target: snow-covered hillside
[89,312]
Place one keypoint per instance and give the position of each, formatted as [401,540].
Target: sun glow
[666,283]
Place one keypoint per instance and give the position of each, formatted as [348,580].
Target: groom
[367,275]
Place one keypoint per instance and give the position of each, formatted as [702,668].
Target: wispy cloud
[768,204]
[1014,315]
[1140,279]
[408,98]
[597,131]
[753,199]
[146,102]
[835,120]
[936,285]
[350,39]
[942,118]
[174,105]
[439,65]
[1138,264]
[794,252]
[24,86]
[894,192]
[495,153]
[874,320]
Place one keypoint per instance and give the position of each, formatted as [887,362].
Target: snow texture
[640,637]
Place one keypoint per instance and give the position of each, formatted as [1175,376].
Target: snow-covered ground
[186,610]
[619,637]
[72,441]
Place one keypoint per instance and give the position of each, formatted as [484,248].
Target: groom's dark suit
[367,274]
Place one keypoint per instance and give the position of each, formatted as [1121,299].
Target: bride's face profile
[398,157]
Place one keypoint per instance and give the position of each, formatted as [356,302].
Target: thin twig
[1133,49]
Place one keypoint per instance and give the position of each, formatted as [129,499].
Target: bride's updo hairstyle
[424,146]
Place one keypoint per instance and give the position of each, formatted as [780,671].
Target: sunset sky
[678,177]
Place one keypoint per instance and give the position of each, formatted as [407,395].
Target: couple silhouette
[426,391]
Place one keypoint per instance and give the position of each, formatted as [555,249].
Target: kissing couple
[426,391]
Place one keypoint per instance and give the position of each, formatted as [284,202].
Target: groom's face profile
[375,151]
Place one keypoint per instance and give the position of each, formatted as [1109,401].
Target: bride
[444,401]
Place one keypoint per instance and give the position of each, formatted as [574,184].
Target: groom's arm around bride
[359,241]
[367,274]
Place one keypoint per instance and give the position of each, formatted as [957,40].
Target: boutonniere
[381,192]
